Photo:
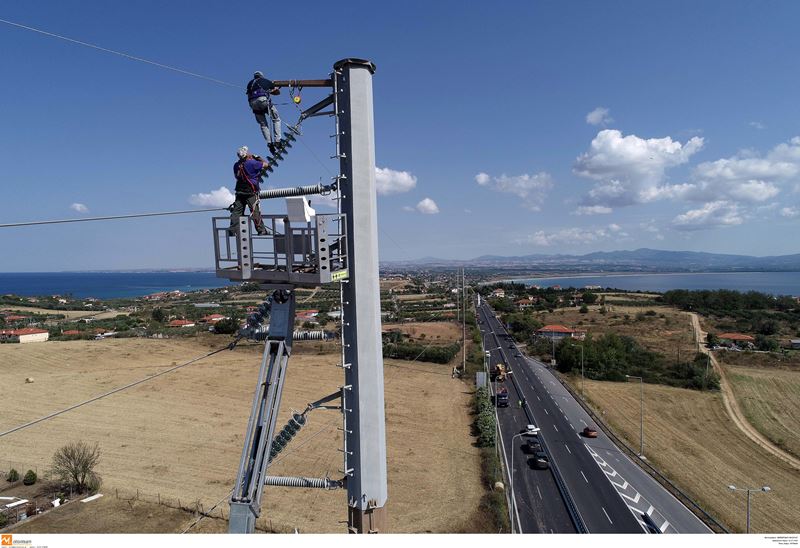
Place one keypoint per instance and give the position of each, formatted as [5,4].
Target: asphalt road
[612,494]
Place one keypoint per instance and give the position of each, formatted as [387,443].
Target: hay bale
[28,380]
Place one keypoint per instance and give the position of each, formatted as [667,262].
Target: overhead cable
[109,393]
[110,217]
[120,53]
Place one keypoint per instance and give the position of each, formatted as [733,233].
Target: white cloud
[757,125]
[427,206]
[629,169]
[720,213]
[790,212]
[389,181]
[482,179]
[599,116]
[80,208]
[532,189]
[575,236]
[222,197]
[592,210]
[408,208]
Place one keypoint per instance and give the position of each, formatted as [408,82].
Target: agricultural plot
[690,438]
[180,436]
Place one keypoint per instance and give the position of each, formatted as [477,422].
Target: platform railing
[302,253]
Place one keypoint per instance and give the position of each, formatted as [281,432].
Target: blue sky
[523,127]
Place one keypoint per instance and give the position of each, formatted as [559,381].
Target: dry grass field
[446,332]
[770,399]
[689,437]
[667,335]
[180,435]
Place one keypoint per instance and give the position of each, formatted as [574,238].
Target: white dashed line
[538,398]
[540,493]
[584,422]
[584,477]
[664,527]
[608,518]
[546,412]
[567,446]
[556,427]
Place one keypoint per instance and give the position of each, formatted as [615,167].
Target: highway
[610,493]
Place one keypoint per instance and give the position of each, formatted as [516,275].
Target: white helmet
[243,152]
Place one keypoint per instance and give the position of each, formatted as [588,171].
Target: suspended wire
[110,217]
[120,53]
[114,391]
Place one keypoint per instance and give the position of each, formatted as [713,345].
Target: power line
[120,53]
[120,389]
[110,217]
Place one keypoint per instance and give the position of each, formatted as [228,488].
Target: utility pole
[365,430]
[764,489]
[464,323]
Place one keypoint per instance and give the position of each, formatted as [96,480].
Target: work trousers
[261,107]
[251,201]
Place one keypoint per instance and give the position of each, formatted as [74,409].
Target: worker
[259,92]
[248,171]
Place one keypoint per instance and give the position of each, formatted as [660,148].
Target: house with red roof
[181,323]
[26,335]
[557,332]
[213,318]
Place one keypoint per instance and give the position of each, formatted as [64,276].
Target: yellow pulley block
[296,99]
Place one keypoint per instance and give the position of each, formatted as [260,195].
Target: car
[532,447]
[539,461]
[589,432]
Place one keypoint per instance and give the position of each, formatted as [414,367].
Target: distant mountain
[647,260]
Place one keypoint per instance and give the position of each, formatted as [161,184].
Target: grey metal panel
[366,436]
[244,246]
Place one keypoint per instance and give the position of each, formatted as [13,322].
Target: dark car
[539,460]
[589,432]
[532,447]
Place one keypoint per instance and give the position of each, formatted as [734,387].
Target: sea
[775,283]
[111,285]
[105,285]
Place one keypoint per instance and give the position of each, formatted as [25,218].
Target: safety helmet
[258,74]
[243,152]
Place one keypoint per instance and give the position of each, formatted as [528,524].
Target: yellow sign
[340,275]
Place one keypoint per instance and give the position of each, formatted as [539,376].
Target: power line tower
[306,249]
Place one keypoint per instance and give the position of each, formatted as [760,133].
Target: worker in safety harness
[248,171]
[259,90]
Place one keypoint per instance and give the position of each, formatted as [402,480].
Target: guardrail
[665,482]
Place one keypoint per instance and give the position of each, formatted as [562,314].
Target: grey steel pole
[641,417]
[366,422]
[748,511]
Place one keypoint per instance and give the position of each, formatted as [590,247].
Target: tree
[589,297]
[30,478]
[227,326]
[158,315]
[74,465]
[12,475]
[712,340]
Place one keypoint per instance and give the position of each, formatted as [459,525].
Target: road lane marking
[634,499]
[608,518]
[584,477]
[538,398]
[584,422]
[567,446]
[650,510]
[540,493]
[624,485]
[556,427]
[664,526]
[546,412]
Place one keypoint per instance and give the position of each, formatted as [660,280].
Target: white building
[26,335]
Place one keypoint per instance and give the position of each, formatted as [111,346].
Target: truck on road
[501,397]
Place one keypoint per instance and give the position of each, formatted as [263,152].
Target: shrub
[30,478]
[3,520]
[584,309]
[484,418]
[228,326]
[12,475]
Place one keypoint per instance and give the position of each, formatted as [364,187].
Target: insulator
[278,443]
[285,437]
[291,427]
[300,419]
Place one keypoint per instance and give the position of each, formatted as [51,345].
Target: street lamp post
[641,413]
[511,472]
[764,489]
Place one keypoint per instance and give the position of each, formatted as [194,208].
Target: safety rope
[111,217]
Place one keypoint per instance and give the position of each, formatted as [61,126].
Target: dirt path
[732,406]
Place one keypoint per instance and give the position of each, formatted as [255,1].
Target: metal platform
[305,254]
